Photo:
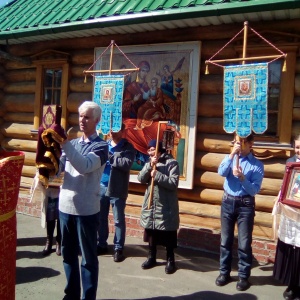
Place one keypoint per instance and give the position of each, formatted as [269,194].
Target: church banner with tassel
[246,99]
[108,94]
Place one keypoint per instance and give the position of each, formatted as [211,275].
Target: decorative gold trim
[16,157]
[7,216]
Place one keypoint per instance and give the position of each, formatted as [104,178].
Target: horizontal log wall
[199,207]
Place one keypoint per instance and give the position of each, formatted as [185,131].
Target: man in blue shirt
[114,192]
[243,178]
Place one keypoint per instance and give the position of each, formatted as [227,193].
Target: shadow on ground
[203,295]
[32,274]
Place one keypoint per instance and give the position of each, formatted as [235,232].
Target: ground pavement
[41,277]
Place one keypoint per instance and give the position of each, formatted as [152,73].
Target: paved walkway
[41,277]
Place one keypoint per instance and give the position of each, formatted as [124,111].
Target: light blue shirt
[253,170]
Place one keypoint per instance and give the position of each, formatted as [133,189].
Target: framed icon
[290,190]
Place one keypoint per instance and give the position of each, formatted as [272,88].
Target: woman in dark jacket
[161,219]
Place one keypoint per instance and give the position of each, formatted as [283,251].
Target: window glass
[275,69]
[52,86]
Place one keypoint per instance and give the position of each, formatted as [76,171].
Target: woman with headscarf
[160,219]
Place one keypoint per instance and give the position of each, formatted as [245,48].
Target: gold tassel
[284,66]
[84,79]
[206,70]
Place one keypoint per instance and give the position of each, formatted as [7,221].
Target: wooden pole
[110,70]
[243,62]
[111,56]
[244,59]
[154,168]
[245,41]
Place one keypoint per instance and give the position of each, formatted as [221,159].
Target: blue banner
[246,99]
[108,94]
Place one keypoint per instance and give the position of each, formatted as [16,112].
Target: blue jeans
[80,232]
[118,209]
[242,212]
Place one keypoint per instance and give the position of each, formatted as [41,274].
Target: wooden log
[296,114]
[20,88]
[21,75]
[19,117]
[78,85]
[15,65]
[77,70]
[17,130]
[83,57]
[74,132]
[298,65]
[210,125]
[297,85]
[19,145]
[26,183]
[211,85]
[73,119]
[213,224]
[295,129]
[274,168]
[29,171]
[3,81]
[210,106]
[76,99]
[214,211]
[221,143]
[29,158]
[217,143]
[270,186]
[210,47]
[2,69]
[212,69]
[19,103]
[264,203]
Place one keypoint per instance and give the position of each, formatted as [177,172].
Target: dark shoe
[170,267]
[149,263]
[118,256]
[222,280]
[243,284]
[58,249]
[48,248]
[101,250]
[289,294]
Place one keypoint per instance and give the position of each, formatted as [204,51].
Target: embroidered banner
[108,93]
[246,99]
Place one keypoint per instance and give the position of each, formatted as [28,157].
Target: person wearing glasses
[160,219]
[243,178]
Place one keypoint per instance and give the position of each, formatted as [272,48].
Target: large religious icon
[165,88]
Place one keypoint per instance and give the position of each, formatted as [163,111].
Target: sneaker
[222,279]
[243,284]
[101,250]
[118,256]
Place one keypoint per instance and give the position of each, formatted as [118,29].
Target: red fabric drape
[11,164]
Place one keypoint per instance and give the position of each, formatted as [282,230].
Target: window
[275,69]
[52,77]
[52,86]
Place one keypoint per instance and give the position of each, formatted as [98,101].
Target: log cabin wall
[199,207]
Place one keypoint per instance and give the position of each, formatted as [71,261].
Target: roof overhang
[217,14]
